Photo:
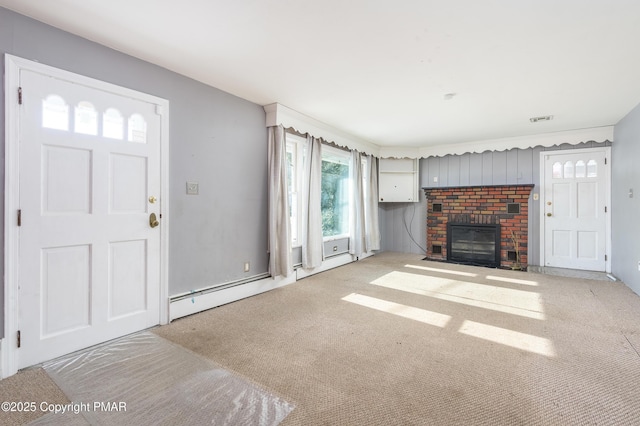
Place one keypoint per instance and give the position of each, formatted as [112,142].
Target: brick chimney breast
[506,205]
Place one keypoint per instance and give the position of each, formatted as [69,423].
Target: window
[296,148]
[336,188]
[566,170]
[112,124]
[335,192]
[137,129]
[55,113]
[86,119]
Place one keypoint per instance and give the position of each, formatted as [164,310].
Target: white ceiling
[380,69]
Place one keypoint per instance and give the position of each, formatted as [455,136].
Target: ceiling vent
[541,118]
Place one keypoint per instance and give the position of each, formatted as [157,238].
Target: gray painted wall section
[625,226]
[216,139]
[515,166]
[403,226]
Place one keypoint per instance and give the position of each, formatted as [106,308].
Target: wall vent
[513,208]
[541,118]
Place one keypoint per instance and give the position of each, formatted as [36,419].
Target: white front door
[89,180]
[575,209]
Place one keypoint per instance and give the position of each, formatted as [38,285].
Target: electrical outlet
[247,266]
[192,188]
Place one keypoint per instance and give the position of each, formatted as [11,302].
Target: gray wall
[403,226]
[515,166]
[625,176]
[216,139]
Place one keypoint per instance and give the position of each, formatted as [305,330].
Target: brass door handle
[549,214]
[153,220]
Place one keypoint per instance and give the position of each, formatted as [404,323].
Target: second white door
[575,209]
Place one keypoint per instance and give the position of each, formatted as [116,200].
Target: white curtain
[312,215]
[372,228]
[357,241]
[280,260]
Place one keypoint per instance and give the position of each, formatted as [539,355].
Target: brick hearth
[480,205]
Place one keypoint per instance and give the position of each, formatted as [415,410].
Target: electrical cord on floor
[407,228]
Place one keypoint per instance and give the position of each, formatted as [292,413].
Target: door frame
[13,65]
[607,176]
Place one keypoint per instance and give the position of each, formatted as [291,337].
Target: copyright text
[72,407]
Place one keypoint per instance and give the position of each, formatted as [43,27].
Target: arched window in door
[55,113]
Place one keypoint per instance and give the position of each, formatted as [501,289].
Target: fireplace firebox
[474,244]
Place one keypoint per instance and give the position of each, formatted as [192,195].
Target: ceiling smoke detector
[541,118]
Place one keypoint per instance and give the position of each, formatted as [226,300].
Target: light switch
[192,188]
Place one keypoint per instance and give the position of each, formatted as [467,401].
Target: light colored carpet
[395,340]
[445,345]
[29,385]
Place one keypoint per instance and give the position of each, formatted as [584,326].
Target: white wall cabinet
[398,180]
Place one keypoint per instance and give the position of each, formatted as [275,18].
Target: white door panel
[575,218]
[127,278]
[89,261]
[65,289]
[66,176]
[128,187]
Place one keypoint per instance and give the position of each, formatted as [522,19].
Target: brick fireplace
[504,205]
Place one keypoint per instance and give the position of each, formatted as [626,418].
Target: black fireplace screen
[473,244]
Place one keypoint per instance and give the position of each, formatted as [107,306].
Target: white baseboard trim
[330,263]
[206,300]
[203,301]
[367,254]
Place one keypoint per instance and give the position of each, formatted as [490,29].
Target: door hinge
[605,257]
[18,338]
[19,95]
[19,217]
[605,209]
[605,161]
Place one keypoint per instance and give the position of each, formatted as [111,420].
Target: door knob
[153,220]
[549,214]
